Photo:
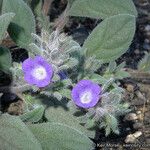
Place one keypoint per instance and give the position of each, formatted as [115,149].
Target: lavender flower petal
[86,94]
[37,71]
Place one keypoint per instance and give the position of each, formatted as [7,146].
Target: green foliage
[98,79]
[23,23]
[17,74]
[60,115]
[61,137]
[36,6]
[56,48]
[70,2]
[16,135]
[1,1]
[66,126]
[144,64]
[65,93]
[33,115]
[105,115]
[5,59]
[110,123]
[5,20]
[102,8]
[28,1]
[116,72]
[59,90]
[111,38]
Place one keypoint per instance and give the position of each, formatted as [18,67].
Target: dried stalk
[62,20]
[139,76]
[46,6]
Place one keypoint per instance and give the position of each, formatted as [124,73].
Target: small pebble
[138,125]
[140,117]
[147,28]
[137,134]
[148,33]
[131,138]
[146,46]
[131,117]
[140,95]
[137,52]
[129,87]
[148,141]
[128,129]
[16,108]
[138,112]
[146,117]
[147,41]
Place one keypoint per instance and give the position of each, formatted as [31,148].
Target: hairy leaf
[55,136]
[60,115]
[28,1]
[5,59]
[15,135]
[34,115]
[102,8]
[5,20]
[1,1]
[36,6]
[111,38]
[23,23]
[65,93]
[121,74]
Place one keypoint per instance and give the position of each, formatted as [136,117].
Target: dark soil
[137,93]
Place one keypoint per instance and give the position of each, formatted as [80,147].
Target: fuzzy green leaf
[102,8]
[111,124]
[114,123]
[34,49]
[57,95]
[65,93]
[34,115]
[60,115]
[90,123]
[55,136]
[120,66]
[112,66]
[98,79]
[70,2]
[1,1]
[107,131]
[5,20]
[5,59]
[111,38]
[121,74]
[36,6]
[23,23]
[15,135]
[28,1]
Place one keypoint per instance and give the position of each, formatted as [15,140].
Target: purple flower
[37,71]
[86,94]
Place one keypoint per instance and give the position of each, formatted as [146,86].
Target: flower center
[86,97]
[39,73]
